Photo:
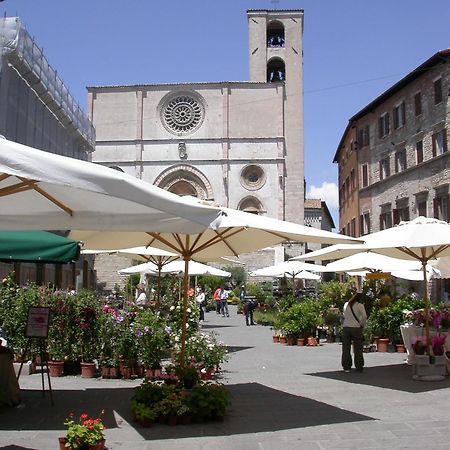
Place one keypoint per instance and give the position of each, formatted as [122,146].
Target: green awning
[37,246]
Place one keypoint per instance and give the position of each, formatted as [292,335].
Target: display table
[408,331]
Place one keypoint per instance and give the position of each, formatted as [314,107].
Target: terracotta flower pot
[312,341]
[291,340]
[56,368]
[382,345]
[62,443]
[98,446]
[88,370]
[301,342]
[276,339]
[400,348]
[283,339]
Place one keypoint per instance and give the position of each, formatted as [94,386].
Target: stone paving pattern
[282,398]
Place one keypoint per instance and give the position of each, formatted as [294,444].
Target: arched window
[185,180]
[276,70]
[250,204]
[275,34]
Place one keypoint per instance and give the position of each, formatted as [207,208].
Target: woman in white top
[142,296]
[355,318]
[200,299]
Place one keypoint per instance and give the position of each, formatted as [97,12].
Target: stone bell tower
[276,56]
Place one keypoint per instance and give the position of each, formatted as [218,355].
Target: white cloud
[328,192]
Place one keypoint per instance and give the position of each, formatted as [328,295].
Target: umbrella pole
[158,293]
[293,284]
[427,307]
[185,306]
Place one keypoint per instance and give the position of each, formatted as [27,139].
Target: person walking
[224,293]
[355,318]
[249,306]
[200,299]
[216,296]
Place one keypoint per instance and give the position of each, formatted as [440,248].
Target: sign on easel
[38,322]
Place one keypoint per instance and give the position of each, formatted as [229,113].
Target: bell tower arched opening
[276,70]
[275,34]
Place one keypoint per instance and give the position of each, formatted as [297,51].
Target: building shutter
[435,208]
[396,214]
[403,113]
[444,140]
[433,142]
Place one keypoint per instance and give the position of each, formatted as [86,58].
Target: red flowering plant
[84,431]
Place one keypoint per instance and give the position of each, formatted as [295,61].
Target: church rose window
[182,114]
[253,177]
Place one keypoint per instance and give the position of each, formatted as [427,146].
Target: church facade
[239,144]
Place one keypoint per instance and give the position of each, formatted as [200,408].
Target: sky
[353,51]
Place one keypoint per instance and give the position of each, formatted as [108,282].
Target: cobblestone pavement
[282,398]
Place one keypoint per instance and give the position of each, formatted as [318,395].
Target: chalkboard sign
[38,322]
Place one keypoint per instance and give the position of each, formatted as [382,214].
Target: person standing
[216,296]
[200,299]
[141,299]
[355,318]
[249,306]
[224,293]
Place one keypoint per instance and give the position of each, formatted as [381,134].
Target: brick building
[393,157]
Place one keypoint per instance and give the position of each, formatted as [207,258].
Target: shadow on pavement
[397,377]
[212,327]
[255,408]
[15,447]
[236,348]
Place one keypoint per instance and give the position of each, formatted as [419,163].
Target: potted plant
[143,414]
[84,433]
[188,375]
[332,319]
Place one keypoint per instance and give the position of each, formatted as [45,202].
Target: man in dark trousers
[249,306]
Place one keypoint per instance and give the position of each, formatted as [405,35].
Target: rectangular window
[422,208]
[347,188]
[439,142]
[401,213]
[353,227]
[400,161]
[437,91]
[399,115]
[419,152]
[385,220]
[353,179]
[418,104]
[365,175]
[383,125]
[441,207]
[385,170]
[364,223]
[363,136]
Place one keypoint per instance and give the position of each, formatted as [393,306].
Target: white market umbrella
[158,257]
[291,268]
[422,239]
[335,251]
[177,267]
[44,191]
[233,233]
[294,269]
[371,261]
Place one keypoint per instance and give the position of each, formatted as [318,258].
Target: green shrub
[300,320]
